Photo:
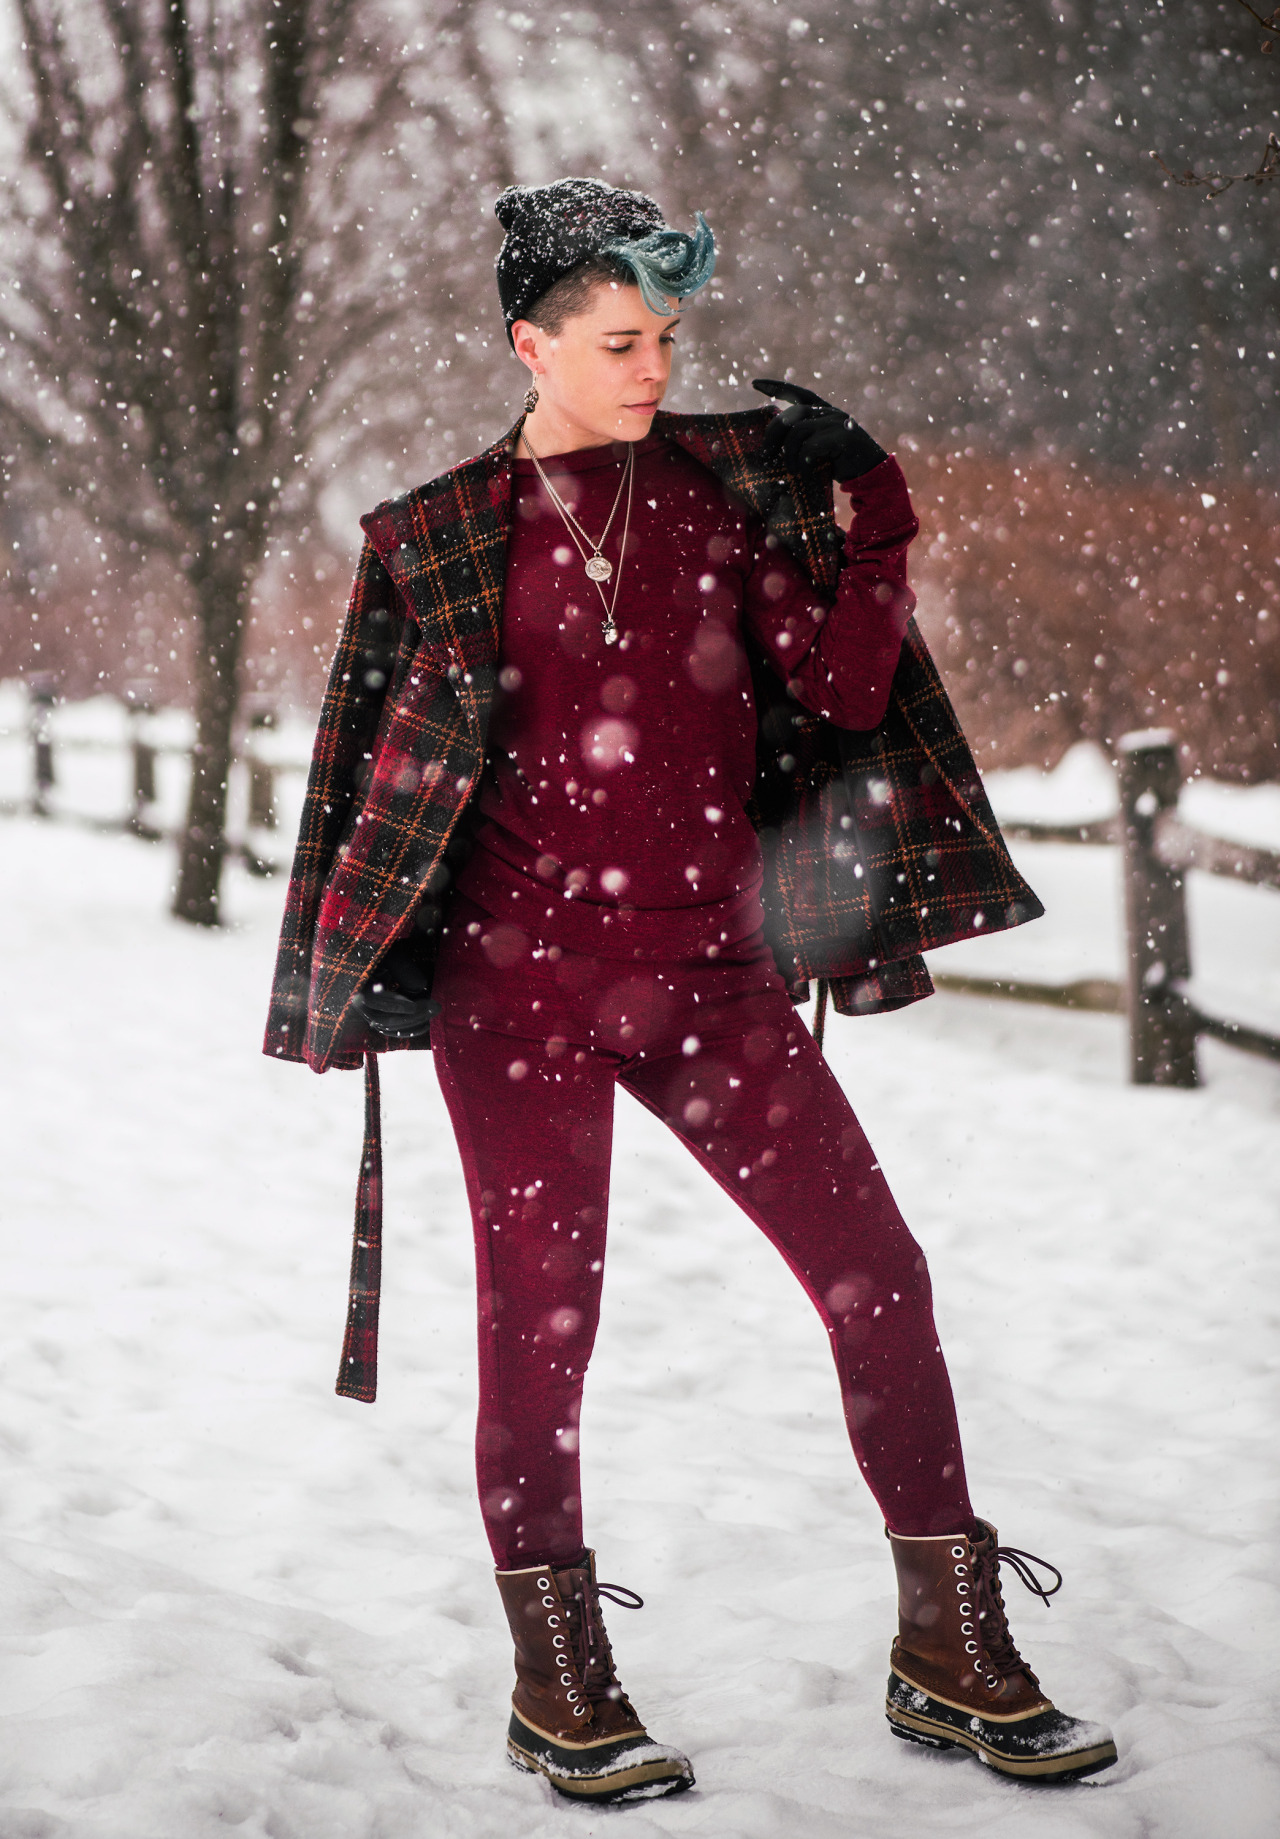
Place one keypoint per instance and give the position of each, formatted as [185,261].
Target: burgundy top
[613,803]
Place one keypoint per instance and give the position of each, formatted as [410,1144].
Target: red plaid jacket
[877,846]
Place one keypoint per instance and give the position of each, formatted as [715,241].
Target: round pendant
[599,569]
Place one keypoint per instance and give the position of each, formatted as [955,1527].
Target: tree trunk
[221,592]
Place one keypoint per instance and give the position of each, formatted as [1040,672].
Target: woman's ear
[527,340]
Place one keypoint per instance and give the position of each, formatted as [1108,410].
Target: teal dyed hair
[667,262]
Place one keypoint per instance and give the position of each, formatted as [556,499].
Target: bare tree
[1268,167]
[214,230]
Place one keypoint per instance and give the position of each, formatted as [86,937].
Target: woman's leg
[762,1111]
[534,1123]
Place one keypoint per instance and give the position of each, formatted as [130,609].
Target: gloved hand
[396,999]
[813,432]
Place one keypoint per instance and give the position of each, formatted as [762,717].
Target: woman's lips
[643,408]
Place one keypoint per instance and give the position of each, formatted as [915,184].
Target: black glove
[396,1000]
[815,433]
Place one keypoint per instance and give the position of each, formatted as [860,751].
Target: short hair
[572,294]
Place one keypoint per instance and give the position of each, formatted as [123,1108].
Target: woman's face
[604,376]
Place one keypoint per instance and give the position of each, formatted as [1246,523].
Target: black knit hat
[553,229]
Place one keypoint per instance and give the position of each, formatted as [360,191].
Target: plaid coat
[877,846]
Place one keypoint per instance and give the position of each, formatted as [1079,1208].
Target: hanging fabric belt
[820,1010]
[358,1374]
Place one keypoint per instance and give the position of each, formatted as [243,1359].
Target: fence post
[262,774]
[1162,1031]
[140,707]
[41,693]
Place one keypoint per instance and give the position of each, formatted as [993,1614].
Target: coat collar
[444,543]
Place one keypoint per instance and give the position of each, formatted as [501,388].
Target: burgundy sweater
[613,816]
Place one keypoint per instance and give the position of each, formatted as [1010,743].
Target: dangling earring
[531,399]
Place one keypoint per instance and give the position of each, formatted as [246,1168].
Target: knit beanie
[553,229]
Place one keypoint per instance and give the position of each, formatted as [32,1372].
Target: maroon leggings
[528,1050]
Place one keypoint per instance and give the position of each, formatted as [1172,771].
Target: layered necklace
[598,566]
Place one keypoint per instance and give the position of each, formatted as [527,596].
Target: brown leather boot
[570,1719]
[956,1676]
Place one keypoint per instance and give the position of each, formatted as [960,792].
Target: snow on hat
[553,229]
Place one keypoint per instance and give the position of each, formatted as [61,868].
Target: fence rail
[1159,850]
[1100,830]
[1102,995]
[1180,847]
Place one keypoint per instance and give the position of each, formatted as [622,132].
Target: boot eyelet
[553,1621]
[579,1711]
[971,1647]
[548,1602]
[566,1679]
[544,1583]
[966,1628]
[572,1696]
[962,1570]
[957,1551]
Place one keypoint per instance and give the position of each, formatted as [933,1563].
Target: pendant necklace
[598,566]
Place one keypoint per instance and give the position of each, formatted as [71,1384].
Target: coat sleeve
[838,659]
[344,745]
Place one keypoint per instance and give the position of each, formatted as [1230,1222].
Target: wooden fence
[140,818]
[1158,851]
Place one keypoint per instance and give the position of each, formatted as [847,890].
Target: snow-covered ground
[232,1600]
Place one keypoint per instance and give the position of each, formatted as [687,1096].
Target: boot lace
[590,1640]
[998,1644]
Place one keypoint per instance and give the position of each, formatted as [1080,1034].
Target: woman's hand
[396,999]
[813,432]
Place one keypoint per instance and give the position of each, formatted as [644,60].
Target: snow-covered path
[232,1600]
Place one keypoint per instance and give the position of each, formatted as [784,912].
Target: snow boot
[570,1719]
[956,1676]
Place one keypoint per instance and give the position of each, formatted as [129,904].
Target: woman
[622,745]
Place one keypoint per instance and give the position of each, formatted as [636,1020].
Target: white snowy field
[232,1600]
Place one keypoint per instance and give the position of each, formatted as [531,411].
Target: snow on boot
[570,1719]
[956,1676]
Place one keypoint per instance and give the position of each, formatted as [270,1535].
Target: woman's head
[591,282]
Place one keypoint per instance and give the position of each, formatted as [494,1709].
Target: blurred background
[247,255]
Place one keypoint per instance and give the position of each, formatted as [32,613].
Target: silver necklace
[598,567]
